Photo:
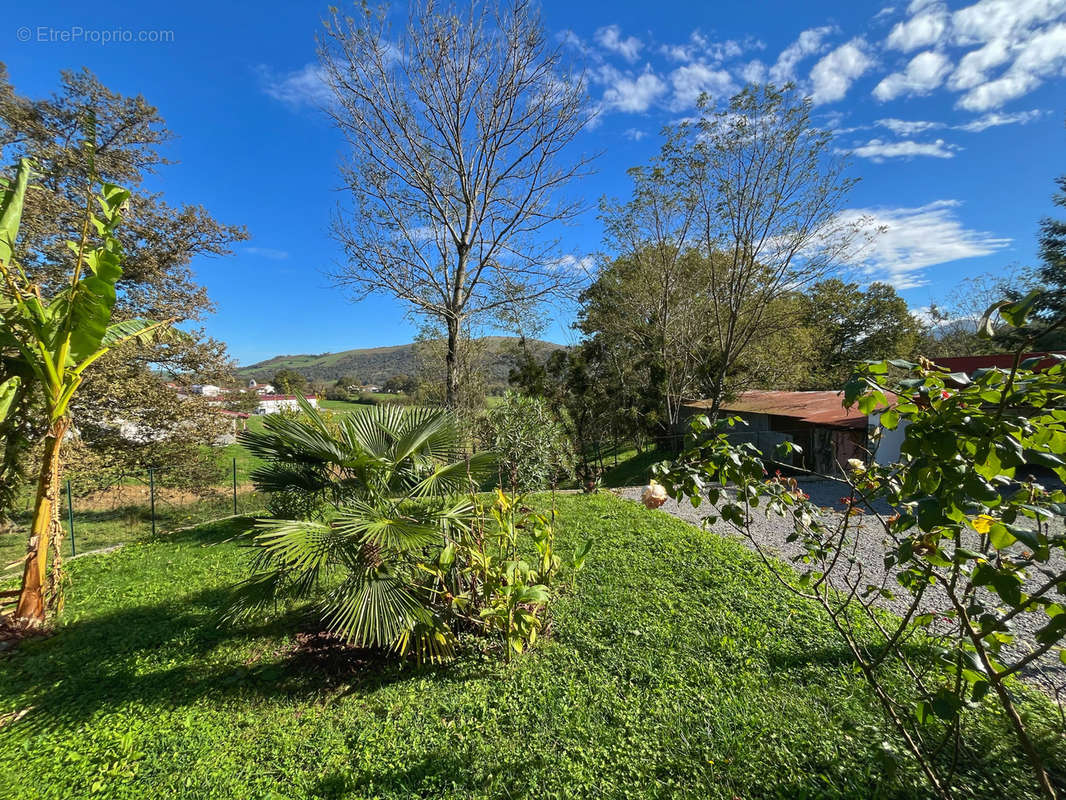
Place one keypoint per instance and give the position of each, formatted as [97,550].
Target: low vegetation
[676,667]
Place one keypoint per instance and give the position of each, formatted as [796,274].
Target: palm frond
[278,477]
[382,529]
[457,476]
[371,607]
[430,436]
[292,440]
[373,430]
[427,639]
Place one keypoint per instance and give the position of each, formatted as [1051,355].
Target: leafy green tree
[400,384]
[848,324]
[160,241]
[591,405]
[1051,276]
[289,381]
[50,344]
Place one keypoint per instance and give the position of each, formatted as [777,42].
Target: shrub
[534,451]
[388,536]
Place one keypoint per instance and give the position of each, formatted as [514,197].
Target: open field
[676,668]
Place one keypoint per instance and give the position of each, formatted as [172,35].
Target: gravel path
[770,534]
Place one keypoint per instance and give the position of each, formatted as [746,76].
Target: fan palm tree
[380,495]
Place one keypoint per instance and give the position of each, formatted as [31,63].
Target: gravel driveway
[770,533]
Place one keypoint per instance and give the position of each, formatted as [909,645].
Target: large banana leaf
[11,204]
[8,393]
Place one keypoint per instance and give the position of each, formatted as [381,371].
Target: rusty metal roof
[970,364]
[816,408]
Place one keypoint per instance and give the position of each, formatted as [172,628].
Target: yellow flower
[503,502]
[983,523]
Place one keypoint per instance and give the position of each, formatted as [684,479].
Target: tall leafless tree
[460,128]
[770,195]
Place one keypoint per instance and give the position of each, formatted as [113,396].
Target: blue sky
[953,113]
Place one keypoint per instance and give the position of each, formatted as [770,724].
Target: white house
[274,403]
[260,388]
[207,389]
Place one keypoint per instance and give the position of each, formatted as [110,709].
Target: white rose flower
[654,495]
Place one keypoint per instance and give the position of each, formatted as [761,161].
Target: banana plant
[50,343]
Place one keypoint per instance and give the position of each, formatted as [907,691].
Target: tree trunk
[31,604]
[451,361]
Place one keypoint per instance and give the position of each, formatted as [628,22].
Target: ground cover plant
[675,667]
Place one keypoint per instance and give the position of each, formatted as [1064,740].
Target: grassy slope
[377,364]
[633,469]
[675,670]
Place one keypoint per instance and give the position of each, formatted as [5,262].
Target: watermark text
[76,34]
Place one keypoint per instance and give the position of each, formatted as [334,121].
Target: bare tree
[459,128]
[770,193]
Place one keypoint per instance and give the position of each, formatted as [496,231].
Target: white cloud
[571,39]
[925,72]
[914,239]
[996,119]
[833,75]
[610,38]
[878,150]
[572,263]
[634,134]
[692,80]
[753,72]
[634,94]
[927,27]
[305,86]
[700,48]
[903,127]
[267,252]
[991,19]
[974,66]
[808,43]
[1041,56]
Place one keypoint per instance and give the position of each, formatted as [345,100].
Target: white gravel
[771,532]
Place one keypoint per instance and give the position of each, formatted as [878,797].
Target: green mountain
[377,364]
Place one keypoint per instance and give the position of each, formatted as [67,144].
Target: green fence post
[151,495]
[70,519]
[235,486]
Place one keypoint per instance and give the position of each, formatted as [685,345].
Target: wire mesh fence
[133,507]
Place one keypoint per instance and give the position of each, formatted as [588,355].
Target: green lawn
[633,468]
[676,669]
[345,405]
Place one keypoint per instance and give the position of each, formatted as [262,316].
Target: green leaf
[8,393]
[11,205]
[890,419]
[985,329]
[1015,314]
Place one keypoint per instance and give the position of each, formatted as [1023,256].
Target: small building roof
[815,408]
[970,364]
